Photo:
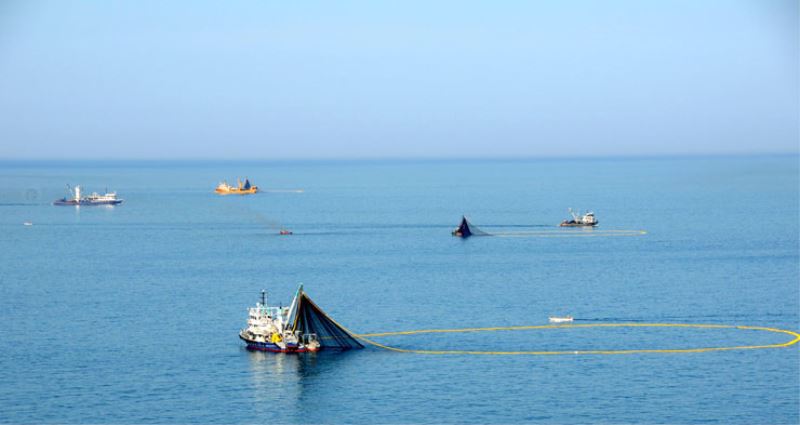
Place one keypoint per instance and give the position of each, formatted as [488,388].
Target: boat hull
[577,225]
[237,191]
[272,348]
[72,202]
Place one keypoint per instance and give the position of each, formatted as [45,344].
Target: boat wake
[283,191]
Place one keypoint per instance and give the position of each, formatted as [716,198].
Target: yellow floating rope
[365,338]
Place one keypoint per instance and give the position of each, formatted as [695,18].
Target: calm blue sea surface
[130,314]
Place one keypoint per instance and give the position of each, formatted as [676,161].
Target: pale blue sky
[282,80]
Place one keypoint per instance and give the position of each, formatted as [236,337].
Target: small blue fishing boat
[467,229]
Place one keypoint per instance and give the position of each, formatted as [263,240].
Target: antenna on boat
[263,298]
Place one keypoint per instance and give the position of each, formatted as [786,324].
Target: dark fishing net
[467,229]
[310,319]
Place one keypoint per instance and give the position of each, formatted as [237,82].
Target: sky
[407,79]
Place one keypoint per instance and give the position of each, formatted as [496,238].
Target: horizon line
[413,158]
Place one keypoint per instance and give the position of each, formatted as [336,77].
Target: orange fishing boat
[242,188]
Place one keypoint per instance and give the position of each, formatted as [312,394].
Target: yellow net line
[366,338]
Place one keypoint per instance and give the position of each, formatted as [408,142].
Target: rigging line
[795,340]
[557,234]
[562,236]
[582,231]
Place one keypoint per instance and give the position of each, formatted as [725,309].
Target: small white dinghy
[562,319]
[27,223]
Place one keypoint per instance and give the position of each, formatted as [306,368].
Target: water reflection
[77,208]
[292,380]
[274,376]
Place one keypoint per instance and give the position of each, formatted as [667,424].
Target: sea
[131,313]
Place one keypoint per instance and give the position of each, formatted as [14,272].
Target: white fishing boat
[269,329]
[561,319]
[109,198]
[75,198]
[301,327]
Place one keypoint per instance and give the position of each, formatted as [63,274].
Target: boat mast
[290,318]
[263,309]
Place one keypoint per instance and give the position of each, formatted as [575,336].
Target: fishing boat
[466,229]
[285,232]
[241,188]
[109,198]
[586,220]
[561,319]
[301,327]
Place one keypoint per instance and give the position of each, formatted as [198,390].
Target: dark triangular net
[246,184]
[310,319]
[466,229]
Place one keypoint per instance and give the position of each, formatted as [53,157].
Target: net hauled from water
[310,319]
[467,229]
